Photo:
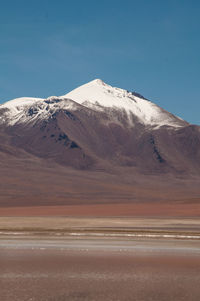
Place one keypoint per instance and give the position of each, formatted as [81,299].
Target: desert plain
[59,258]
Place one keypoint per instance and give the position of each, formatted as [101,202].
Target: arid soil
[175,209]
[65,224]
[40,269]
[99,258]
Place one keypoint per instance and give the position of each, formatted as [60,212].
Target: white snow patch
[19,109]
[98,95]
[95,95]
[17,103]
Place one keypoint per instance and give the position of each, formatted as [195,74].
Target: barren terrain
[60,269]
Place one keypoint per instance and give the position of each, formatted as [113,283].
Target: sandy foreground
[90,268]
[84,258]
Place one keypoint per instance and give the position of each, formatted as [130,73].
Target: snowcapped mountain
[95,143]
[97,124]
[95,96]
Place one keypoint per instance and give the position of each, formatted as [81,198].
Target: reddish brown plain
[99,270]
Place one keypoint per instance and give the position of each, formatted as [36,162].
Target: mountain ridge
[85,147]
[97,95]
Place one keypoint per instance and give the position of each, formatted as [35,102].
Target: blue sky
[149,46]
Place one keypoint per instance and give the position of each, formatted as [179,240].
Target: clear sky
[149,46]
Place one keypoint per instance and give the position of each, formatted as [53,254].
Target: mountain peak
[98,95]
[96,90]
[97,81]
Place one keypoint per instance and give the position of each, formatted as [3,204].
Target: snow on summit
[95,95]
[98,95]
